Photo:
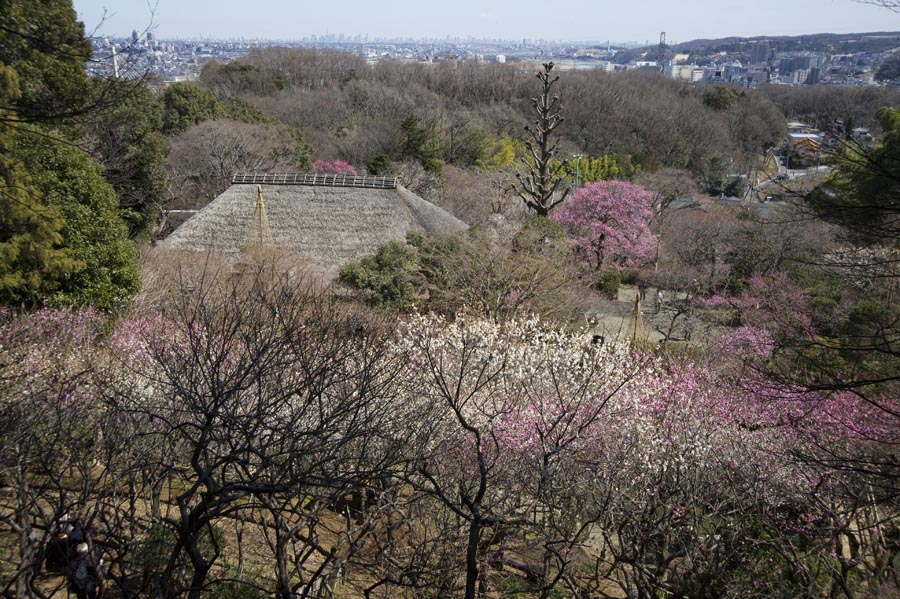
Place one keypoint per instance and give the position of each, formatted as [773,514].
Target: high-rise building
[134,36]
[813,77]
[149,36]
[759,54]
[797,63]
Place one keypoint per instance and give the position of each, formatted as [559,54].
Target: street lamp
[578,158]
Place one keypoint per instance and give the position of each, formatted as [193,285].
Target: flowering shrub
[515,419]
[334,166]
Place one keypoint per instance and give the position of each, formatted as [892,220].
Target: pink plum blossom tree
[608,224]
[334,166]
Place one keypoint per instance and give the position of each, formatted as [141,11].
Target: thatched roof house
[327,219]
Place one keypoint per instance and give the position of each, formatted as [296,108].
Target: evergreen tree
[72,182]
[126,140]
[44,42]
[32,259]
[185,105]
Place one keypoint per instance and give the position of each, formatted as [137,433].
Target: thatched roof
[327,225]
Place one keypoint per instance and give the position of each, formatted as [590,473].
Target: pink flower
[334,166]
[608,224]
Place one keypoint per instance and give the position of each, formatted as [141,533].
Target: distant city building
[748,64]
[683,72]
[813,77]
[796,63]
[501,58]
[760,53]
[861,134]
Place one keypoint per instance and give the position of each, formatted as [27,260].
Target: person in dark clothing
[83,573]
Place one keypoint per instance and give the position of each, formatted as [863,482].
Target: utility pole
[115,62]
[661,59]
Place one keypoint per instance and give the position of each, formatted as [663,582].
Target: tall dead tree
[539,186]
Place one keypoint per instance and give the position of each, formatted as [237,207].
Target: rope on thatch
[259,235]
[316,179]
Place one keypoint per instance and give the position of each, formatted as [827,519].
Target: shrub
[385,279]
[610,281]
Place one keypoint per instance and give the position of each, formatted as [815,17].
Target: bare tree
[264,392]
[888,4]
[204,157]
[539,188]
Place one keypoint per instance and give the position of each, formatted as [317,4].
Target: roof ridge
[316,179]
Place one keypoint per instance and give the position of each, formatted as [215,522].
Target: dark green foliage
[126,139]
[734,187]
[719,184]
[381,165]
[385,279]
[301,152]
[540,236]
[419,144]
[473,273]
[234,589]
[864,193]
[416,137]
[239,109]
[185,104]
[720,98]
[609,283]
[155,551]
[32,257]
[61,238]
[44,42]
[889,69]
[72,182]
[874,322]
[236,77]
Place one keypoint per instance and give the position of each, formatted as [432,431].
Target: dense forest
[452,417]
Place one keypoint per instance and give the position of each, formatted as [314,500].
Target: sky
[618,21]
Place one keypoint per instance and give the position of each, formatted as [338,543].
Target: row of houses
[809,143]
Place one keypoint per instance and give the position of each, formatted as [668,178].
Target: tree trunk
[472,559]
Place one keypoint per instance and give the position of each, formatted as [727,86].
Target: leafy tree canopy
[32,257]
[72,182]
[127,141]
[185,105]
[385,278]
[720,98]
[239,109]
[45,44]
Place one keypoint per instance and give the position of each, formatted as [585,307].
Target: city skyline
[507,19]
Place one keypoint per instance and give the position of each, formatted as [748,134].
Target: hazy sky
[622,20]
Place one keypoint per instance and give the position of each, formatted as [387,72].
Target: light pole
[578,158]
